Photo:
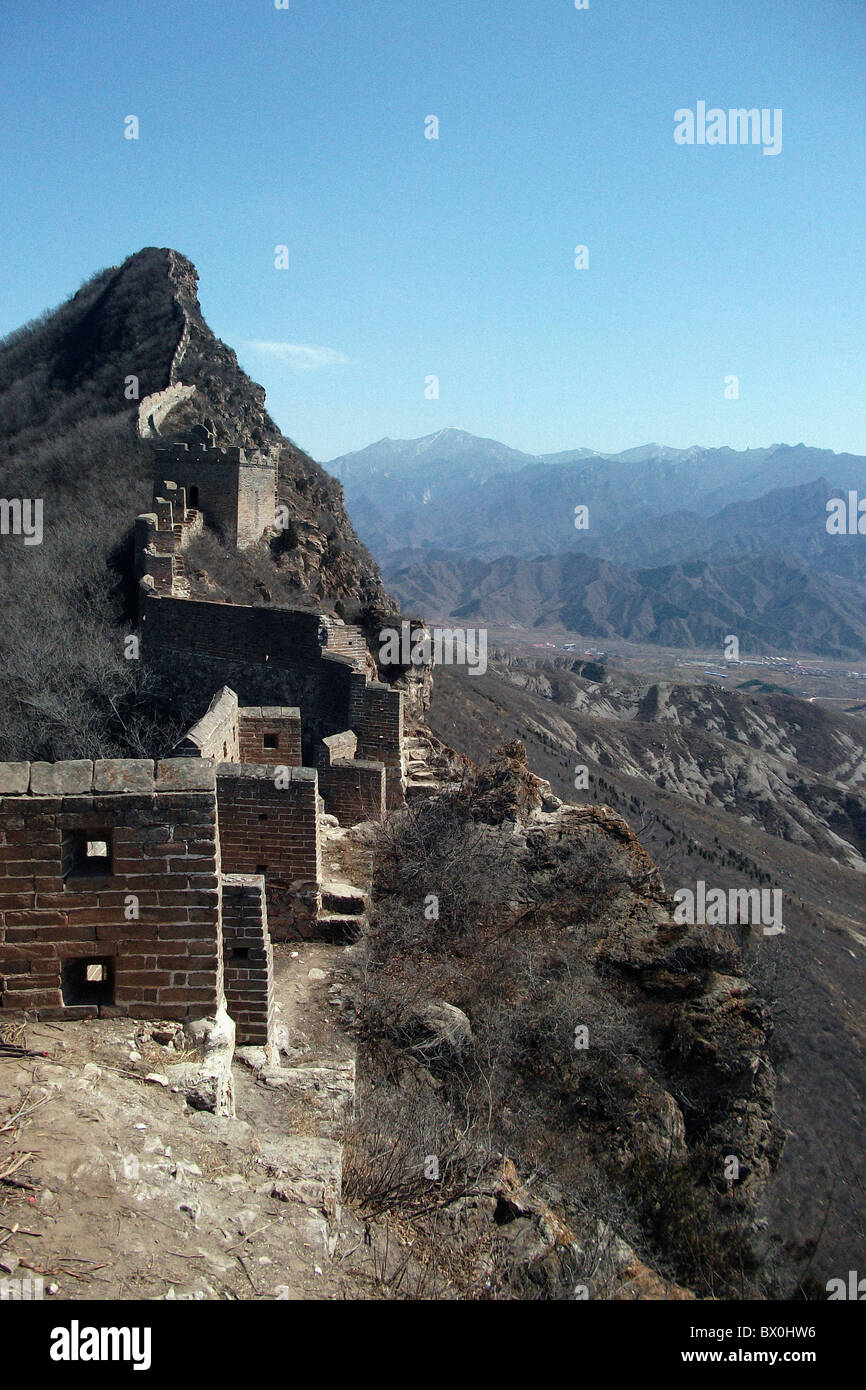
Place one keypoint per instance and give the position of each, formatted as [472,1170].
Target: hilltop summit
[76,387]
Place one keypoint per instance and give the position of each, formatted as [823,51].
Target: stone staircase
[192,522]
[346,873]
[418,776]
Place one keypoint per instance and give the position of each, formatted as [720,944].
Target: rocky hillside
[72,386]
[796,770]
[739,791]
[547,1007]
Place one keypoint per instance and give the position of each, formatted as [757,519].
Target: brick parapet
[269,824]
[111,868]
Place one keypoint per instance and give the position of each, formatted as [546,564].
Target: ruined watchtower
[235,493]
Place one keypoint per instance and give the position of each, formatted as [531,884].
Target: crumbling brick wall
[269,825]
[110,889]
[160,537]
[353,790]
[249,959]
[269,656]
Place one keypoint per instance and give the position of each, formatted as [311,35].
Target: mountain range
[681,546]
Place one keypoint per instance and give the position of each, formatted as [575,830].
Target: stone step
[339,927]
[326,1093]
[343,898]
[416,789]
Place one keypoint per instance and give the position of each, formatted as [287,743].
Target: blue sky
[454,257]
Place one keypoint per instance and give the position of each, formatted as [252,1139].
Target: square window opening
[87,981]
[240,953]
[271,741]
[86,854]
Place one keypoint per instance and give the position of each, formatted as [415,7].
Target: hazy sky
[454,257]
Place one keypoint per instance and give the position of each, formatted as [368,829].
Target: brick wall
[353,790]
[345,639]
[270,826]
[236,494]
[249,959]
[380,733]
[144,915]
[270,734]
[269,656]
[256,501]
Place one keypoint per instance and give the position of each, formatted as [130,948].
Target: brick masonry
[249,959]
[269,825]
[354,790]
[270,734]
[112,873]
[217,734]
[140,913]
[236,495]
[380,735]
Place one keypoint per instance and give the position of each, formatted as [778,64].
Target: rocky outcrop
[718,1083]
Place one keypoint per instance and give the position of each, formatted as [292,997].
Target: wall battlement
[153,889]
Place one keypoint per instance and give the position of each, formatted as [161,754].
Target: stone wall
[160,537]
[110,889]
[355,790]
[249,959]
[155,408]
[345,639]
[256,501]
[269,656]
[379,726]
[269,825]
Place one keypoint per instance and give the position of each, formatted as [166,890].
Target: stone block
[54,779]
[185,774]
[14,778]
[123,775]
